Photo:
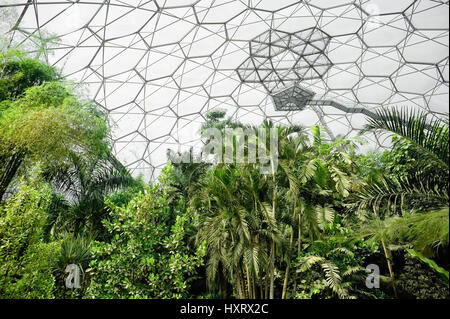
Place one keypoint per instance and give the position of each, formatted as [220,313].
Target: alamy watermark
[73,279]
[373,278]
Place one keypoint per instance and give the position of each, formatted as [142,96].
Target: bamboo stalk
[391,271]
[248,281]
[288,266]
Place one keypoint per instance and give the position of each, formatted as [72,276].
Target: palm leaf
[307,262]
[429,135]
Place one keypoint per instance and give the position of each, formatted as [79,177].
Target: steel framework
[158,66]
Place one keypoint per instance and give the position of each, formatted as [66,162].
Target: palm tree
[225,226]
[426,187]
[290,140]
[264,214]
[420,199]
[84,185]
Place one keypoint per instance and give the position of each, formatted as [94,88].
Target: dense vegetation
[214,231]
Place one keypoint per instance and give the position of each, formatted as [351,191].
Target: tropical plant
[85,184]
[26,260]
[74,251]
[336,268]
[419,195]
[19,72]
[49,125]
[426,186]
[234,232]
[147,256]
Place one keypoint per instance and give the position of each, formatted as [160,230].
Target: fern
[341,250]
[325,215]
[333,279]
[309,261]
[353,271]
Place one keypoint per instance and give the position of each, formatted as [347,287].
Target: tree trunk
[272,270]
[266,291]
[238,286]
[261,292]
[389,263]
[288,266]
[9,171]
[272,248]
[299,242]
[249,285]
[254,288]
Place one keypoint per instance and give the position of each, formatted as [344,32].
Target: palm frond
[307,262]
[396,194]
[352,271]
[333,279]
[429,134]
[340,250]
[325,215]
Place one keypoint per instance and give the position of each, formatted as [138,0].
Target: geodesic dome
[159,66]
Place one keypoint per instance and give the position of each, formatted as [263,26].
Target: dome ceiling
[159,66]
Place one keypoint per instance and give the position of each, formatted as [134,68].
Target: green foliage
[429,135]
[236,223]
[416,181]
[215,119]
[290,234]
[45,122]
[417,176]
[49,124]
[330,270]
[76,251]
[26,261]
[87,182]
[250,222]
[18,72]
[147,256]
[424,231]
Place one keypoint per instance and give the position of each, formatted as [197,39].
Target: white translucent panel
[127,118]
[203,41]
[380,61]
[374,90]
[343,76]
[416,78]
[375,7]
[156,126]
[175,3]
[221,84]
[157,96]
[218,11]
[329,3]
[419,48]
[193,72]
[345,49]
[342,20]
[273,5]
[160,62]
[429,15]
[386,30]
[190,102]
